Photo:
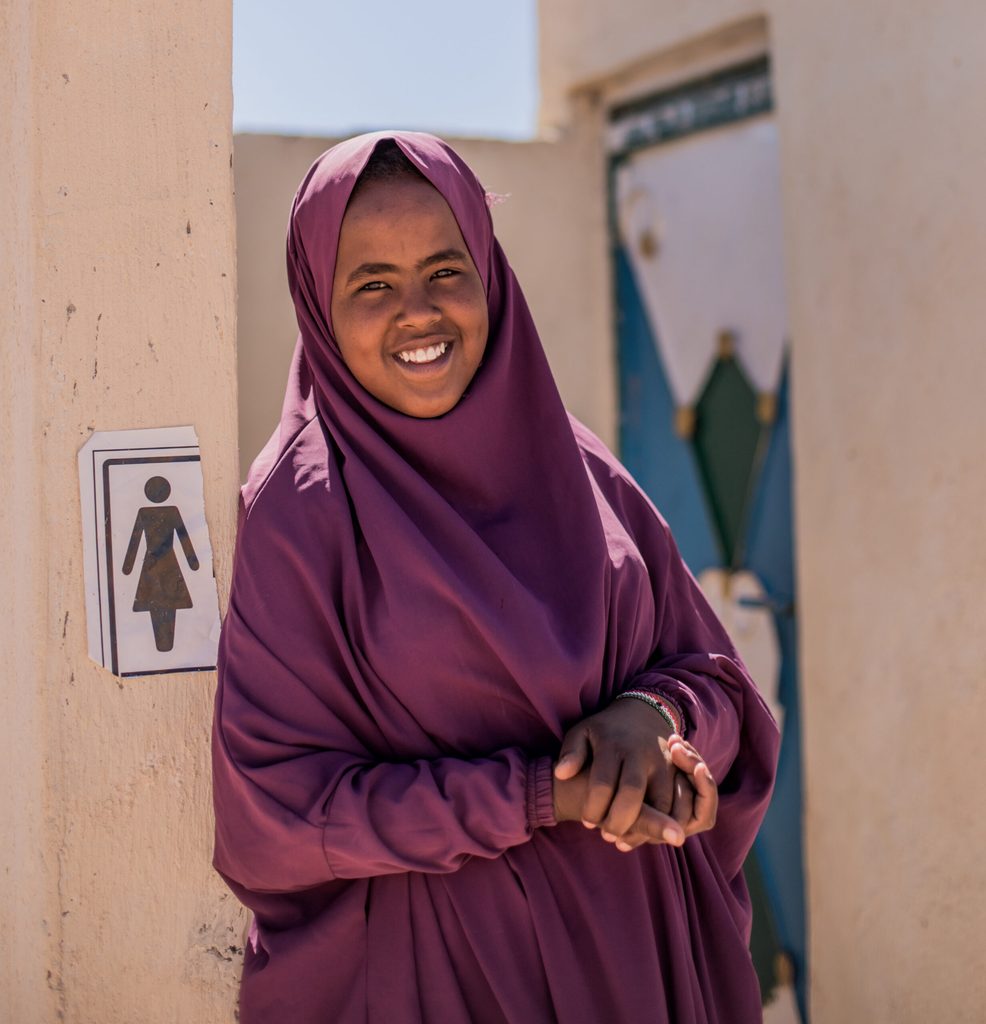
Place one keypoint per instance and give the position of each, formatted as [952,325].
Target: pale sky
[336,67]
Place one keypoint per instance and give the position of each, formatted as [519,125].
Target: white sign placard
[151,602]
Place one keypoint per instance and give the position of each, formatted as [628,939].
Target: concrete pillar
[886,243]
[117,282]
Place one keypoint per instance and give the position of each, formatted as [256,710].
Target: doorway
[698,270]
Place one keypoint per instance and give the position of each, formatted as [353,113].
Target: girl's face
[408,306]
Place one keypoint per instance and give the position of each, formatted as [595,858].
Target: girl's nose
[419,310]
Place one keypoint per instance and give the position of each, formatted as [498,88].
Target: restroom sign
[151,604]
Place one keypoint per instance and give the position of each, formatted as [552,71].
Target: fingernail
[588,824]
[609,837]
[624,847]
[673,836]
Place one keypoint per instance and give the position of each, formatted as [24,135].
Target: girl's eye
[373,286]
[445,272]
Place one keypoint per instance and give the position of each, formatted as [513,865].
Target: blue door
[704,400]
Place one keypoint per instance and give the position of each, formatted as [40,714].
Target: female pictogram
[161,588]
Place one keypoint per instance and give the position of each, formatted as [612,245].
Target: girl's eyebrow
[445,256]
[373,269]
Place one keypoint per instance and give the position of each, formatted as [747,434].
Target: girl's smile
[408,306]
[419,359]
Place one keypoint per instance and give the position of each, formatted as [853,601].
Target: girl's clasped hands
[624,771]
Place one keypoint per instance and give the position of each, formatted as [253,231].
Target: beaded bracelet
[663,708]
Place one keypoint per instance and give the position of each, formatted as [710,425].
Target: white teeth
[424,355]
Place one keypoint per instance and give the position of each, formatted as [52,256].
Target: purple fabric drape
[420,609]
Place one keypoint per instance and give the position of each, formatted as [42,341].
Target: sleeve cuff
[540,793]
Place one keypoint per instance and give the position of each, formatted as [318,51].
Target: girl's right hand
[695,804]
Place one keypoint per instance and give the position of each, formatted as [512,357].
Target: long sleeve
[695,665]
[319,814]
[306,788]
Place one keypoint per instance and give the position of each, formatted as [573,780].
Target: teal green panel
[727,445]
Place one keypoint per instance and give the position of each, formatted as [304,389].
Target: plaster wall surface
[26,905]
[586,45]
[552,227]
[886,233]
[885,240]
[117,275]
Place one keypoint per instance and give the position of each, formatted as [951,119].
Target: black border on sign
[95,514]
[109,558]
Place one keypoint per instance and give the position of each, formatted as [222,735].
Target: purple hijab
[420,609]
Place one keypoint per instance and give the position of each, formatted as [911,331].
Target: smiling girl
[473,709]
[408,306]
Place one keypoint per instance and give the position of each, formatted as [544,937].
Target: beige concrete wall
[25,905]
[886,240]
[552,228]
[886,234]
[117,277]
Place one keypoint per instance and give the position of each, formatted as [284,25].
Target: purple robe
[420,610]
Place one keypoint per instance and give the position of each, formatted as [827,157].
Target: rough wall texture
[885,241]
[552,228]
[26,904]
[118,270]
